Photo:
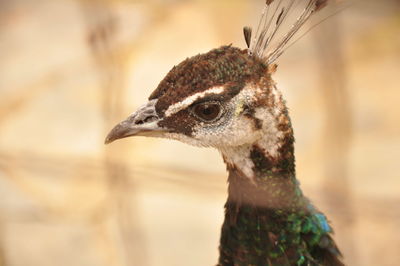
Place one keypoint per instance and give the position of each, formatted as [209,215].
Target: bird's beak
[143,122]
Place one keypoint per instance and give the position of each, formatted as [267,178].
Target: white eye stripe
[191,99]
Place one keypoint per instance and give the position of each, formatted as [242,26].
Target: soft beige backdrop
[72,69]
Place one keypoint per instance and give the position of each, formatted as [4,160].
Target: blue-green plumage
[269,221]
[259,235]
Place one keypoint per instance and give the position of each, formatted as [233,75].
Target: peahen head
[224,99]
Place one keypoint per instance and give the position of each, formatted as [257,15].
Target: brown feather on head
[247,35]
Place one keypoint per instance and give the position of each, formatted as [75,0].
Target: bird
[226,99]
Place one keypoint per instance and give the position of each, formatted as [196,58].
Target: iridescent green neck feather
[268,221]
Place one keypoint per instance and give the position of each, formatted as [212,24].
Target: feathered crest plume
[265,43]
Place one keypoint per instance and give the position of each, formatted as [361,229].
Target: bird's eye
[208,111]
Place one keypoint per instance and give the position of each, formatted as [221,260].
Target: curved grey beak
[144,122]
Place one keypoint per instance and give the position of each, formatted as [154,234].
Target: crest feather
[265,43]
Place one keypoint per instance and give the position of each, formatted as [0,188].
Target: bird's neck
[262,173]
[261,180]
[268,221]
[264,200]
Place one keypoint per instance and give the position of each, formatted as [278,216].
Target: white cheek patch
[235,136]
[240,158]
[272,136]
[235,130]
[191,99]
[269,138]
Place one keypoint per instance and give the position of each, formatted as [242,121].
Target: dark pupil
[207,111]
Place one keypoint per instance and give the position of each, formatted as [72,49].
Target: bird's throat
[259,206]
[258,178]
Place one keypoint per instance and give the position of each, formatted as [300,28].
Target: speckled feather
[227,65]
[218,67]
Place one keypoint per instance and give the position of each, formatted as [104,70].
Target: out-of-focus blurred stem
[128,247]
[337,132]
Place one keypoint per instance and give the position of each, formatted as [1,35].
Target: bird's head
[223,98]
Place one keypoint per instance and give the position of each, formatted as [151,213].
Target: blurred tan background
[72,69]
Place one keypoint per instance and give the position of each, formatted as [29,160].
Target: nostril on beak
[146,120]
[150,119]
